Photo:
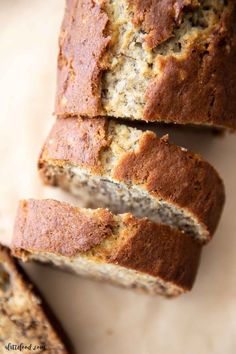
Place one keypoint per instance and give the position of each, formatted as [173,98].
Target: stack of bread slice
[153,204]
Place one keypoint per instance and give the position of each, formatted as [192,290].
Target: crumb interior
[20,318]
[90,267]
[132,65]
[103,191]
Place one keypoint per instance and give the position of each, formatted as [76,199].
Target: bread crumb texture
[119,248]
[134,172]
[22,319]
[166,60]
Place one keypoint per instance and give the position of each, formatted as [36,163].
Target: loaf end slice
[128,170]
[24,319]
[121,249]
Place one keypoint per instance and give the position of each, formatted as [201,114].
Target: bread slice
[121,249]
[165,60]
[23,320]
[128,170]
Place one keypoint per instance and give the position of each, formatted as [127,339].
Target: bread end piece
[25,317]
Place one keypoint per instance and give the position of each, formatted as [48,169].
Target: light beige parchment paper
[99,318]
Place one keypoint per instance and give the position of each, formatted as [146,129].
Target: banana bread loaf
[23,321]
[96,243]
[165,60]
[128,170]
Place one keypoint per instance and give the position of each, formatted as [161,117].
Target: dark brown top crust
[39,225]
[179,177]
[195,87]
[82,43]
[159,18]
[159,251]
[78,141]
[154,249]
[176,176]
[199,87]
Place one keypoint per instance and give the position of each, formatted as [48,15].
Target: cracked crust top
[195,83]
[200,87]
[160,18]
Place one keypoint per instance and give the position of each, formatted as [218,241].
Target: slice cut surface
[130,171]
[22,317]
[166,60]
[121,249]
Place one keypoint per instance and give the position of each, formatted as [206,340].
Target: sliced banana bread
[165,60]
[128,170]
[24,325]
[121,249]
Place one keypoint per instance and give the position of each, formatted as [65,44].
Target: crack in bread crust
[160,18]
[165,60]
[200,87]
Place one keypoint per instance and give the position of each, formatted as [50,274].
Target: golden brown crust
[39,224]
[37,322]
[178,177]
[141,245]
[199,87]
[168,172]
[78,141]
[160,18]
[82,43]
[159,251]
